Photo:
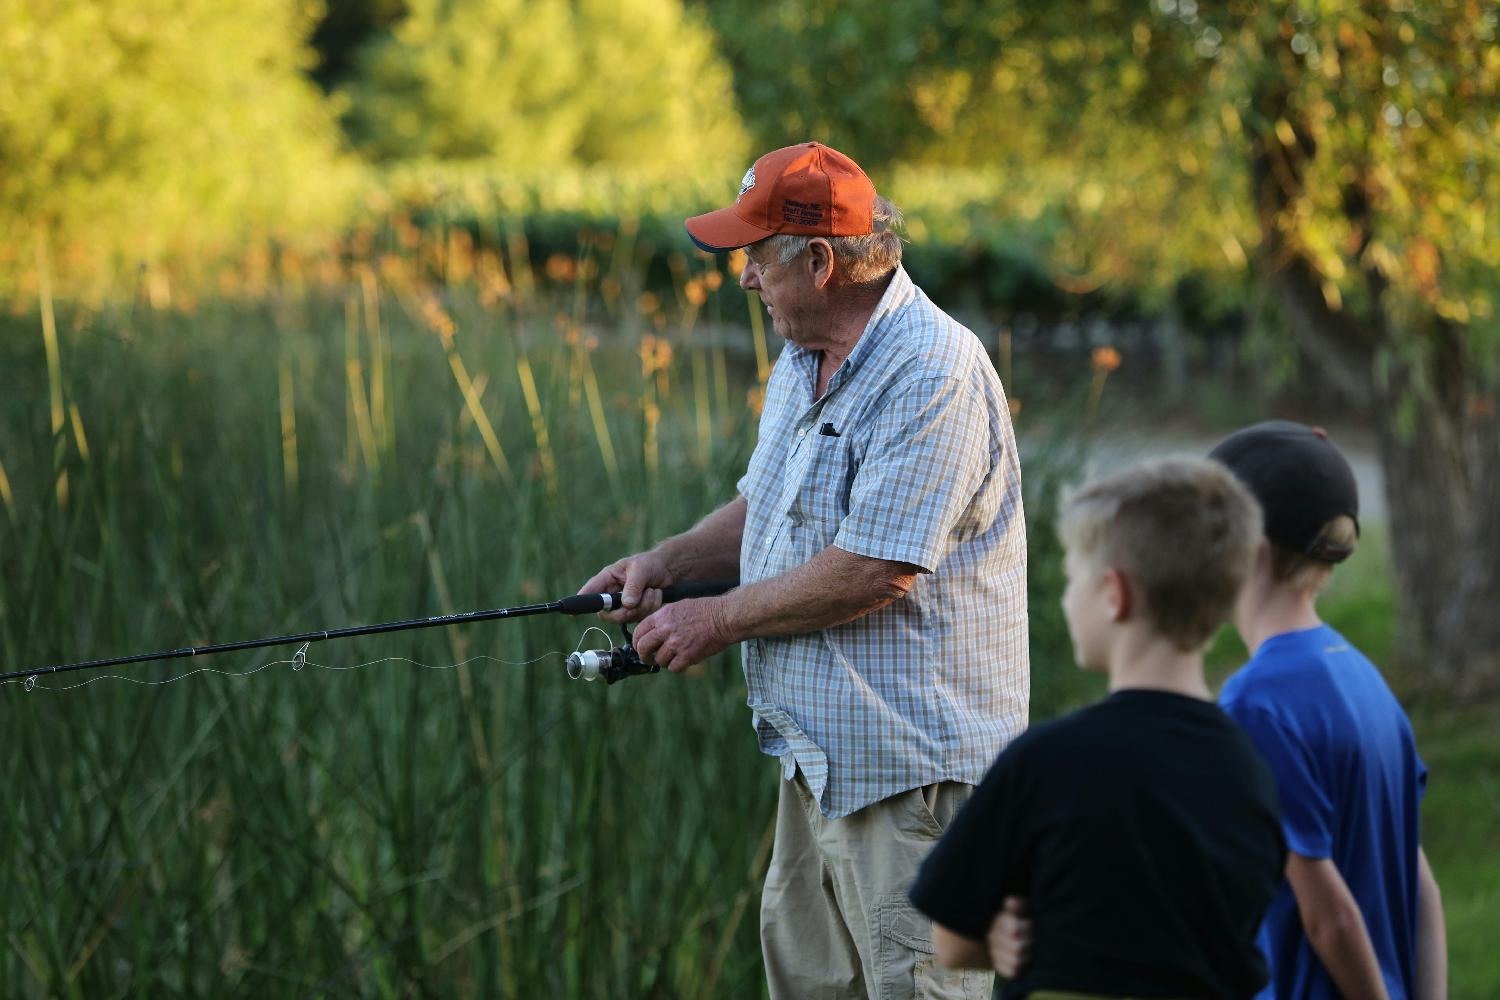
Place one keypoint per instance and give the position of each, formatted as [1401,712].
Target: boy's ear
[1117,596]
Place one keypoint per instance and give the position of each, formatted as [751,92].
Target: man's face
[788,293]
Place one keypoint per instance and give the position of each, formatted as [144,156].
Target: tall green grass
[316,459]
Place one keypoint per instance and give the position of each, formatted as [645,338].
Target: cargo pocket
[904,953]
[906,960]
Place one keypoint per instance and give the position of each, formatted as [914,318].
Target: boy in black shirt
[1143,831]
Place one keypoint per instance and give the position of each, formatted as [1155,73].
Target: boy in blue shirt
[1359,914]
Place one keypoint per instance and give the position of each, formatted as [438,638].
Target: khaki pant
[835,923]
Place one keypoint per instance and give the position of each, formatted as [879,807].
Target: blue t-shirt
[1351,785]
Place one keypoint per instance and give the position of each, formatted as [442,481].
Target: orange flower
[1106,359]
[756,397]
[656,355]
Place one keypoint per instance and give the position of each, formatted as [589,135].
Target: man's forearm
[830,589]
[1432,935]
[710,550]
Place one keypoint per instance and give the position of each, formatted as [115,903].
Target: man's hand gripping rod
[622,661]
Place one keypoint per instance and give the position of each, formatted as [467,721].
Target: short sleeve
[928,456]
[1307,813]
[964,881]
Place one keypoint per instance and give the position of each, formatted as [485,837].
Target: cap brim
[718,232]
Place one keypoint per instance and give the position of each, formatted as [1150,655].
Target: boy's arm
[1335,927]
[959,952]
[1009,938]
[1432,935]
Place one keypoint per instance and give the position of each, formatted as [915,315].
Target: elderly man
[879,538]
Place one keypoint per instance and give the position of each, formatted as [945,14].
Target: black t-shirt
[1143,832]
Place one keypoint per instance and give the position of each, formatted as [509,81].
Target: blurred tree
[861,78]
[140,127]
[344,27]
[1368,137]
[531,85]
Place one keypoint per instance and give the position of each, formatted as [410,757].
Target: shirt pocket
[820,472]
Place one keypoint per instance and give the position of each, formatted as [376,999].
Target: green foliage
[147,127]
[869,77]
[544,84]
[1374,121]
[345,27]
[1396,105]
[1460,826]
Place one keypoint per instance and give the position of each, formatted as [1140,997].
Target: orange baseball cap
[802,190]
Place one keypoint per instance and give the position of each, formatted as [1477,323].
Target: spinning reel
[609,664]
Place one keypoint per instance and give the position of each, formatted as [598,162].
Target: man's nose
[750,277]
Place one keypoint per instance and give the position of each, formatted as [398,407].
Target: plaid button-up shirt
[909,456]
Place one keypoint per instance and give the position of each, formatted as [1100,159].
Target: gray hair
[862,259]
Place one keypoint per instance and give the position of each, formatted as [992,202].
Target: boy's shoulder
[1315,690]
[1297,670]
[1040,737]
[1130,720]
[1039,748]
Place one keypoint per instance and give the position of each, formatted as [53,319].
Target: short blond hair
[1183,530]
[1291,568]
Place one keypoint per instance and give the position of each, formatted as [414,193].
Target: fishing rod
[611,664]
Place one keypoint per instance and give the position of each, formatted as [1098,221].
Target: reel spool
[610,664]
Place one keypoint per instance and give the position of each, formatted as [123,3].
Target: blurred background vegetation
[319,314]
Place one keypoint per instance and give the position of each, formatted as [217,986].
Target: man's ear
[1117,595]
[820,261]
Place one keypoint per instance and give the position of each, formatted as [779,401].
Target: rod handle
[583,604]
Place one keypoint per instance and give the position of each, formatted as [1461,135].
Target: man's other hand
[682,634]
[1009,938]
